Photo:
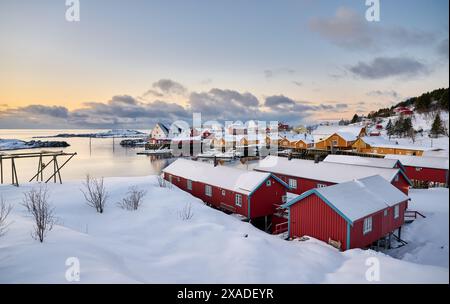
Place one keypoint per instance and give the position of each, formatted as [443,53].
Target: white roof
[327,172]
[326,131]
[421,161]
[238,180]
[360,198]
[376,140]
[347,136]
[380,142]
[362,161]
[436,153]
[294,137]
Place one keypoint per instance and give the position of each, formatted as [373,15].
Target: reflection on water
[97,157]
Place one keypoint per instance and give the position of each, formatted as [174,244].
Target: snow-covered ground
[155,245]
[12,144]
[424,122]
[428,238]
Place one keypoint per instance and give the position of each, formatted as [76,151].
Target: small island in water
[15,144]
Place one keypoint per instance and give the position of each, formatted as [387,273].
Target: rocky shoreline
[14,144]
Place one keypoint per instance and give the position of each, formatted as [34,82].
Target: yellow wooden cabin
[384,147]
[342,141]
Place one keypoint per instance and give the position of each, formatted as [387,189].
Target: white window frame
[386,212]
[396,211]
[208,190]
[238,200]
[293,183]
[418,169]
[335,143]
[397,177]
[367,225]
[268,183]
[189,184]
[224,192]
[170,179]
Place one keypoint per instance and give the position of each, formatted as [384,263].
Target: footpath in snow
[155,245]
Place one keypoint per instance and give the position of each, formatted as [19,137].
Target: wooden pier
[44,160]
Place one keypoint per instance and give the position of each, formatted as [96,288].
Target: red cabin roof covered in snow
[303,175]
[354,213]
[249,193]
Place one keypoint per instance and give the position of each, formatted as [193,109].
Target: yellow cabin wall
[328,142]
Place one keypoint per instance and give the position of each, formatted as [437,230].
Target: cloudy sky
[132,63]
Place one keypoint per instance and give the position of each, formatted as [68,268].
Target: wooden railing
[413,215]
[281,228]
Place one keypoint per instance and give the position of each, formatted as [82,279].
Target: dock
[44,160]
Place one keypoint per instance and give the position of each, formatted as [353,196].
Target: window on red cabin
[223,193]
[238,200]
[293,183]
[208,190]
[397,178]
[321,185]
[418,169]
[367,227]
[189,184]
[269,183]
[396,211]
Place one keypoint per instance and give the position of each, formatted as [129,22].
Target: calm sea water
[100,157]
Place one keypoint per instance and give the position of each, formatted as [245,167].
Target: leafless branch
[134,199]
[186,213]
[4,212]
[37,205]
[95,193]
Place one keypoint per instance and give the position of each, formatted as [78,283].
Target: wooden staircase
[411,216]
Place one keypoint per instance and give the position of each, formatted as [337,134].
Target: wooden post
[15,180]
[1,169]
[400,232]
[54,169]
[57,167]
[41,171]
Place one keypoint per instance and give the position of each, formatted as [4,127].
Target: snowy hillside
[155,245]
[422,122]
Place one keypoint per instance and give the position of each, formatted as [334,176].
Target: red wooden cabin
[248,193]
[304,175]
[424,169]
[353,214]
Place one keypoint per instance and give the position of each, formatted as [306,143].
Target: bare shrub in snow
[4,212]
[163,183]
[133,200]
[95,193]
[37,205]
[186,213]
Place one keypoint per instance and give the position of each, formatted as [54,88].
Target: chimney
[290,156]
[316,158]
